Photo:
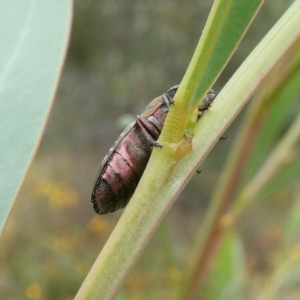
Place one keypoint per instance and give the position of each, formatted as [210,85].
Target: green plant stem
[211,238]
[226,25]
[275,283]
[251,68]
[241,149]
[282,154]
[165,176]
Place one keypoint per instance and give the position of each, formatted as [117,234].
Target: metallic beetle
[125,162]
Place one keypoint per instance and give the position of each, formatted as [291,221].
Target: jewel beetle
[125,162]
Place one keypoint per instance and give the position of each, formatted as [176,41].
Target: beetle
[125,162]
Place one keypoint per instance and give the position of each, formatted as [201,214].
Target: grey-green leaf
[34,36]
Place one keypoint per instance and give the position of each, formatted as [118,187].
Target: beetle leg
[153,143]
[156,144]
[206,102]
[223,137]
[168,100]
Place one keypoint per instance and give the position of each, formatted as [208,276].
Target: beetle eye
[172,91]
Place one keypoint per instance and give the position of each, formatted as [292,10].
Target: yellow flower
[34,291]
[97,225]
[59,195]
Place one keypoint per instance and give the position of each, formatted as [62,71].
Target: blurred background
[121,56]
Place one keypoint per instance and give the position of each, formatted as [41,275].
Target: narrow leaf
[164,177]
[226,25]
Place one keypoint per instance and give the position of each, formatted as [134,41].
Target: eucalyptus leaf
[34,36]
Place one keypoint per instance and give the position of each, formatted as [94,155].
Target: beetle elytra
[125,162]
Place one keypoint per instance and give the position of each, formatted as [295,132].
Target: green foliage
[156,190]
[227,269]
[226,25]
[34,36]
[119,53]
[285,276]
[273,163]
